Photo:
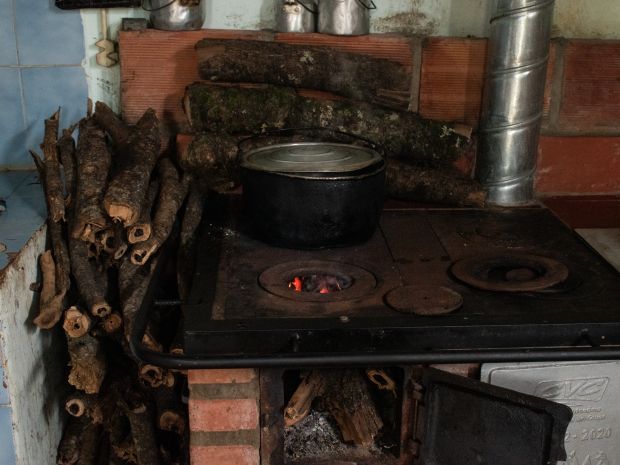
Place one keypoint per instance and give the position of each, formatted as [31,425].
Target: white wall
[591,19]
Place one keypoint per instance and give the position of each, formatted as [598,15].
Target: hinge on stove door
[412,420]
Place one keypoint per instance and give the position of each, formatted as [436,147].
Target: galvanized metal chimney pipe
[513,99]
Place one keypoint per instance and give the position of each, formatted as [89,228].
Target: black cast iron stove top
[432,285]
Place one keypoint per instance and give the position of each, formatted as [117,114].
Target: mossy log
[409,182]
[212,158]
[255,109]
[361,77]
[93,163]
[139,146]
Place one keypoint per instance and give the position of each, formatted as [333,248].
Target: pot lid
[310,157]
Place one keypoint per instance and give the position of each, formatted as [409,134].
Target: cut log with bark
[69,447]
[212,159]
[141,419]
[88,365]
[50,301]
[255,109]
[409,182]
[348,399]
[66,151]
[139,147]
[54,189]
[171,196]
[133,281]
[141,231]
[112,323]
[300,404]
[353,75]
[56,267]
[171,414]
[186,258]
[77,323]
[92,284]
[89,444]
[80,404]
[93,163]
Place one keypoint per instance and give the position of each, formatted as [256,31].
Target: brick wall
[224,417]
[580,148]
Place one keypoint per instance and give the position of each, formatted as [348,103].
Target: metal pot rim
[324,176]
[331,167]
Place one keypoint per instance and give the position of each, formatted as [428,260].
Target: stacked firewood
[254,87]
[112,204]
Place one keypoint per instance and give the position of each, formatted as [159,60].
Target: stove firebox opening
[333,415]
[323,283]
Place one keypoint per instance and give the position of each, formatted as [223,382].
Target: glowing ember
[320,283]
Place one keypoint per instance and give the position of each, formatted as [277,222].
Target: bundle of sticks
[112,204]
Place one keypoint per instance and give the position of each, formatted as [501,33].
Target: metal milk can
[345,17]
[175,15]
[296,16]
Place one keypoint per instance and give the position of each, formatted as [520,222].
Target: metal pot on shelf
[345,17]
[175,15]
[296,16]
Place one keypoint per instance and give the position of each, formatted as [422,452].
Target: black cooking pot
[313,194]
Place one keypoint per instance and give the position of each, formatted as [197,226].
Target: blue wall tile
[46,89]
[8,48]
[47,35]
[7,452]
[12,130]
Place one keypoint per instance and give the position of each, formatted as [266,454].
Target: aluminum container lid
[310,157]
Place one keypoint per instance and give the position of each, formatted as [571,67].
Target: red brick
[591,87]
[452,79]
[389,46]
[236,375]
[224,455]
[578,165]
[223,414]
[587,211]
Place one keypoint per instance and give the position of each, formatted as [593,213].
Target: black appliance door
[466,422]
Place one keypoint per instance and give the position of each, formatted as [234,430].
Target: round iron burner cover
[424,300]
[277,280]
[510,272]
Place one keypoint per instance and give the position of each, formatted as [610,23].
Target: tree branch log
[252,110]
[405,181]
[171,195]
[361,77]
[53,180]
[140,147]
[93,159]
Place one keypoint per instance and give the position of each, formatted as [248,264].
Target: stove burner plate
[510,272]
[275,280]
[424,300]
